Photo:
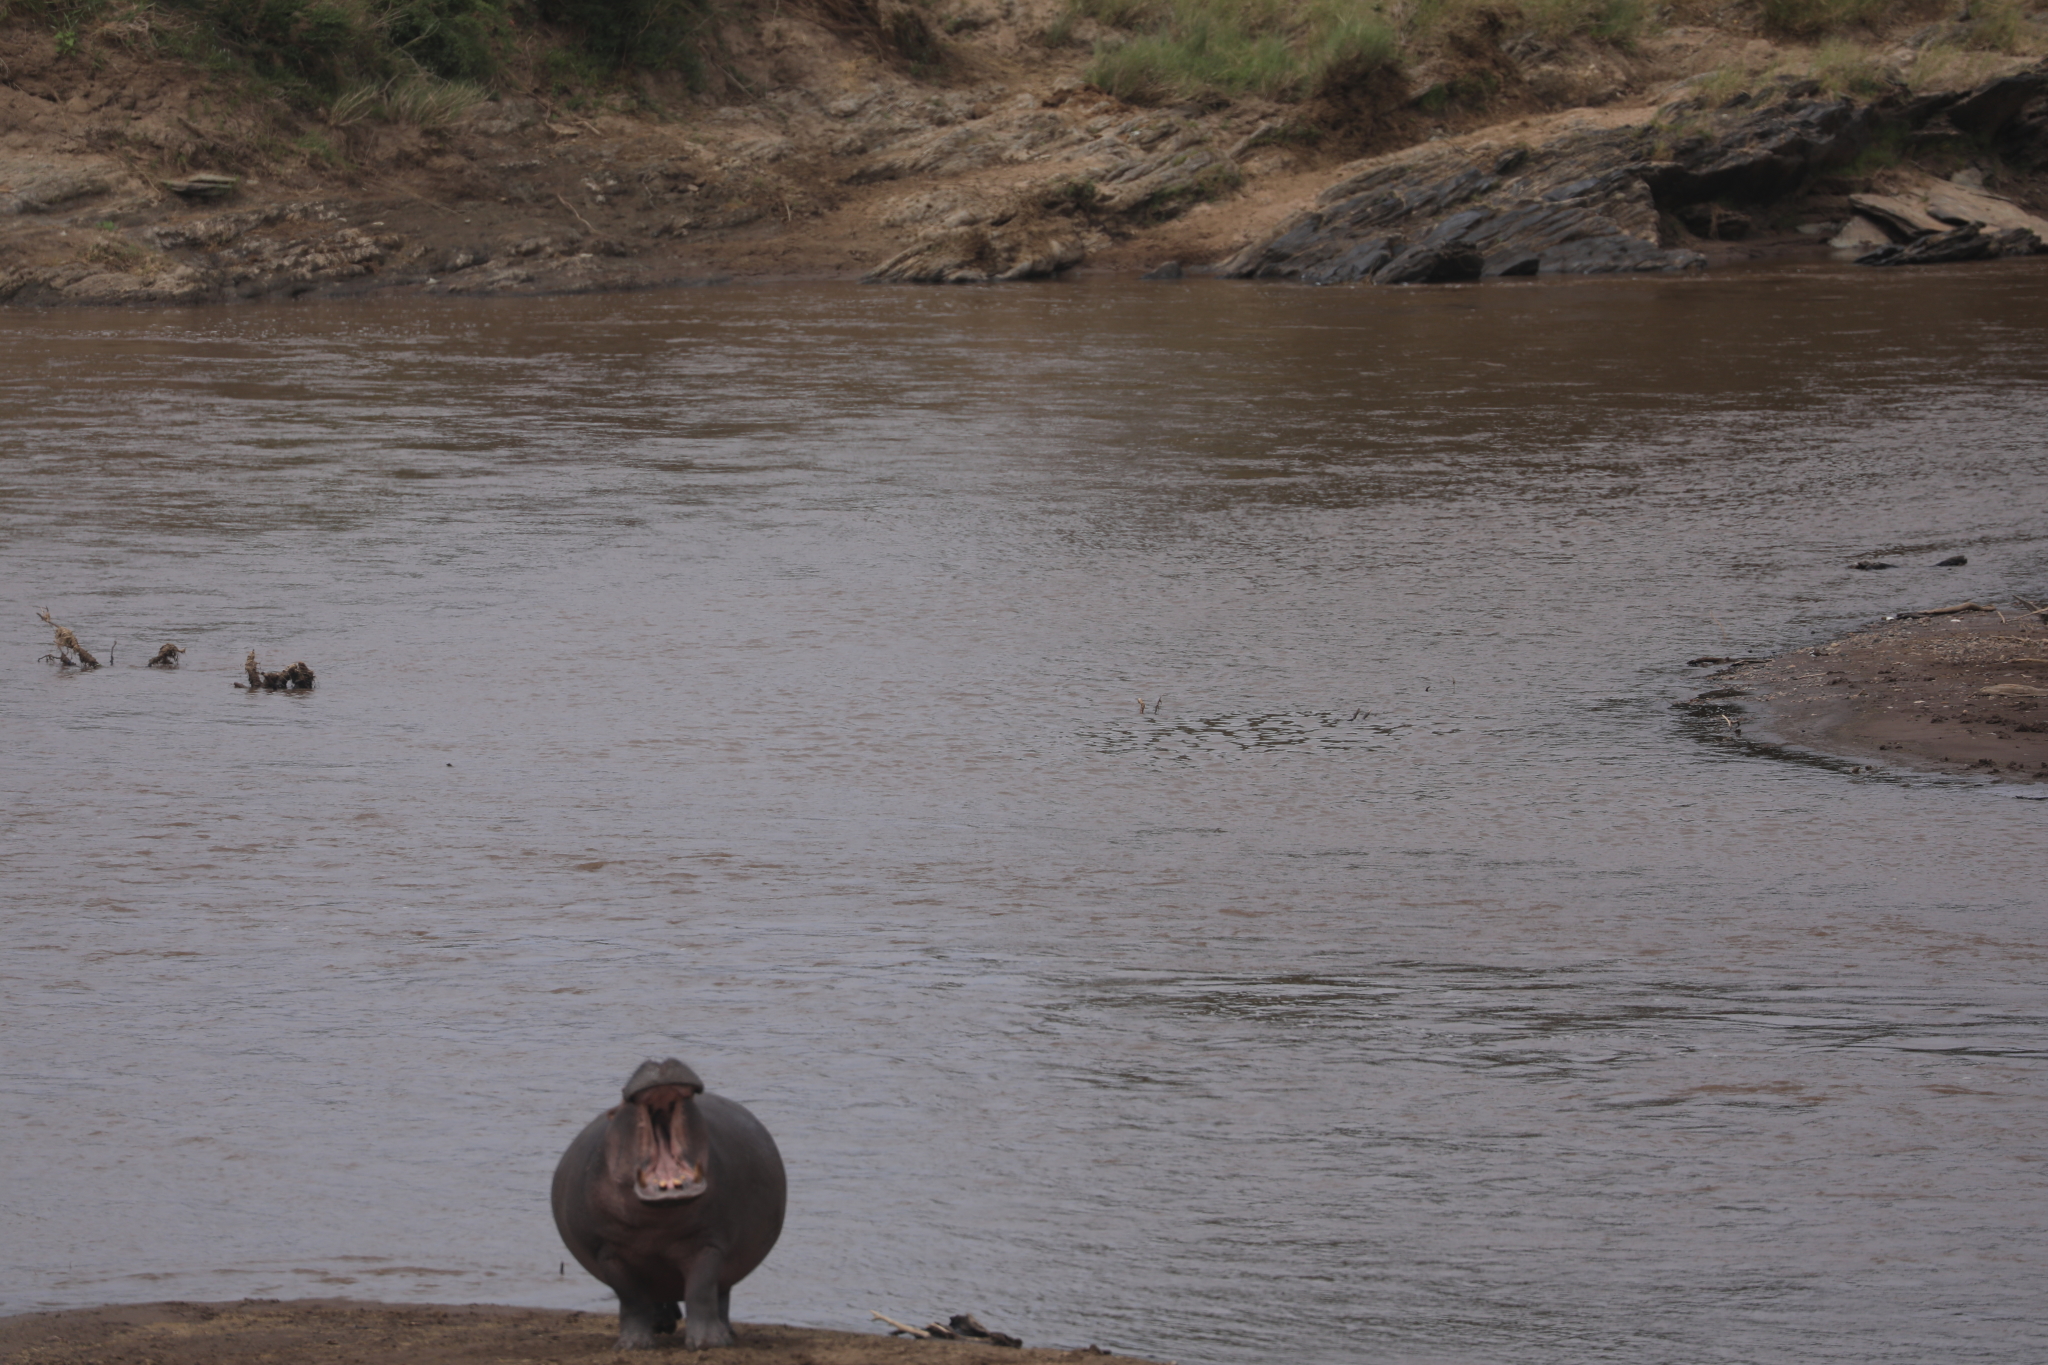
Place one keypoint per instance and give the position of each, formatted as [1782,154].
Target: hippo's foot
[638,1325]
[700,1334]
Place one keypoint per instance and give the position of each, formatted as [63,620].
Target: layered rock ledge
[1597,199]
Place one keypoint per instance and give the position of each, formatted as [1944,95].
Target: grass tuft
[1194,49]
[1844,67]
[1811,18]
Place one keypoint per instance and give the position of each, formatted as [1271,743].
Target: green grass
[1296,49]
[1190,49]
[427,58]
[1846,68]
[2001,26]
[1812,18]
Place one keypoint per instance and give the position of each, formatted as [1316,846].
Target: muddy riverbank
[127,177]
[1962,691]
[351,1332]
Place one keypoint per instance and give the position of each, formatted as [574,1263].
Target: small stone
[1953,562]
[1872,564]
[205,185]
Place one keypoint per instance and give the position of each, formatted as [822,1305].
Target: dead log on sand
[960,1327]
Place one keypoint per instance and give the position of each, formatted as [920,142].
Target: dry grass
[417,98]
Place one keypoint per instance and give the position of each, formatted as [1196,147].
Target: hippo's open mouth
[665,1171]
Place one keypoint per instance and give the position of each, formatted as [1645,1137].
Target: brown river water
[753,675]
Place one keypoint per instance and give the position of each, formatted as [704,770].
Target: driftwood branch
[1949,611]
[297,678]
[579,217]
[959,1327]
[902,1329]
[167,657]
[67,646]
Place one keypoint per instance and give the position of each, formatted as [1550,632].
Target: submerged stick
[67,645]
[297,678]
[167,657]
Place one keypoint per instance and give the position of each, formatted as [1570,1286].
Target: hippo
[673,1196]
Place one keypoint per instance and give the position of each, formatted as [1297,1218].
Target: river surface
[754,675]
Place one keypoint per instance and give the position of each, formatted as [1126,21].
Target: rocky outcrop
[1921,220]
[1112,170]
[276,249]
[979,255]
[1967,243]
[1596,200]
[1577,204]
[48,184]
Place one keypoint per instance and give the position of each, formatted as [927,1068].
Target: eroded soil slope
[127,177]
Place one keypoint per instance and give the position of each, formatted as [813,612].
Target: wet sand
[1962,692]
[350,1332]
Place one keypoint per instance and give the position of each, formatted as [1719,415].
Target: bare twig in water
[67,645]
[297,678]
[167,657]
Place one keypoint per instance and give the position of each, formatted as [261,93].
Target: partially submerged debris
[297,678]
[959,1327]
[166,657]
[70,653]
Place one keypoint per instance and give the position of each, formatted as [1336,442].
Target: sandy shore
[350,1332]
[1959,692]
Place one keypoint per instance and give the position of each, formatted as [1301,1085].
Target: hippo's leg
[725,1306]
[641,1314]
[704,1325]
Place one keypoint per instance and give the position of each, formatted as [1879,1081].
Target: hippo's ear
[651,1073]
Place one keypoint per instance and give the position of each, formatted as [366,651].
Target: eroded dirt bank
[346,1332]
[1960,692]
[127,178]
